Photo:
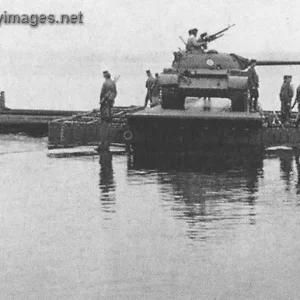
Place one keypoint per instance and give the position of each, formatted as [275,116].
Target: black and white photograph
[149,149]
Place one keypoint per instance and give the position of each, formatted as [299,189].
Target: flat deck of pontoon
[196,113]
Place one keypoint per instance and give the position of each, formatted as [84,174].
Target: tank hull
[231,84]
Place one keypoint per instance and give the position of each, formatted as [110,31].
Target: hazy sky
[123,27]
[60,66]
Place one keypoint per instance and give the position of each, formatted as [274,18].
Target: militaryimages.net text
[35,20]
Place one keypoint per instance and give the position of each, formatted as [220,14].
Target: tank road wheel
[239,101]
[171,98]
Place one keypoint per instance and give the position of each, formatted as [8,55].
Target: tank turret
[201,73]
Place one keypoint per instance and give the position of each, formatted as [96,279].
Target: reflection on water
[107,182]
[290,169]
[148,227]
[286,169]
[297,158]
[205,191]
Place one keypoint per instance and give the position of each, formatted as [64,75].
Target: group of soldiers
[152,86]
[286,95]
[109,93]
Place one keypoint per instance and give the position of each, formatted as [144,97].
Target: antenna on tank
[182,40]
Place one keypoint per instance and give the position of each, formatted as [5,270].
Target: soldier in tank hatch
[150,82]
[107,97]
[286,95]
[253,84]
[192,42]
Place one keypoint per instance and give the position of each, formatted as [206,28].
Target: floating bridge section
[30,121]
[87,129]
[183,127]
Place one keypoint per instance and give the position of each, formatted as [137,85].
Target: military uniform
[107,99]
[192,43]
[253,83]
[149,86]
[155,92]
[297,101]
[286,95]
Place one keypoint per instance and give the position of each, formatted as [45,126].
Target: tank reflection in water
[148,227]
[207,191]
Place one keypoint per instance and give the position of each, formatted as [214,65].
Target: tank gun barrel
[277,63]
[223,30]
[209,38]
[244,63]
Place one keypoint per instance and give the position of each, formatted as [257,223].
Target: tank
[201,73]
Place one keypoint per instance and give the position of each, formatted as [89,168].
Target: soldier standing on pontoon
[297,101]
[149,86]
[107,97]
[286,95]
[155,91]
[253,84]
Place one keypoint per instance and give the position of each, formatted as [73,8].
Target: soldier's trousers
[253,99]
[105,112]
[298,116]
[285,111]
[148,98]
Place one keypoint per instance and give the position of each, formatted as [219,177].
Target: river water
[118,226]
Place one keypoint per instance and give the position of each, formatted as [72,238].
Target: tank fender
[238,82]
[168,79]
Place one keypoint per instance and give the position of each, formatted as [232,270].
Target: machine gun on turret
[205,38]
